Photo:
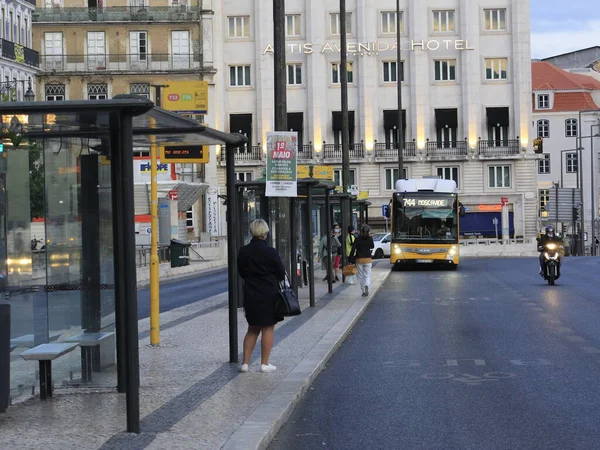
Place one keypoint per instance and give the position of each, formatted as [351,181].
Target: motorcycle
[551,252]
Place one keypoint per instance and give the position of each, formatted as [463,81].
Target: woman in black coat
[261,268]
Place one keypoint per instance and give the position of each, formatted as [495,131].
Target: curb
[266,420]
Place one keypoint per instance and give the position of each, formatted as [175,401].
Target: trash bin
[180,253]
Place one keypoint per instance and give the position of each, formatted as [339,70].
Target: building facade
[18,61]
[466,87]
[96,50]
[567,117]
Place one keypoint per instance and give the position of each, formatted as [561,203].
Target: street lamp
[29,95]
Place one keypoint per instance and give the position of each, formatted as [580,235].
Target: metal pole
[231,254]
[328,231]
[580,186]
[592,195]
[345,212]
[311,258]
[279,65]
[556,204]
[399,87]
[154,272]
[293,244]
[125,190]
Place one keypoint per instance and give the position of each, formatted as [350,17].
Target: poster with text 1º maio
[282,148]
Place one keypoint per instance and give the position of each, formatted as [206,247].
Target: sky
[561,26]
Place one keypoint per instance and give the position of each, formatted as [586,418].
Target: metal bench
[87,342]
[27,340]
[45,354]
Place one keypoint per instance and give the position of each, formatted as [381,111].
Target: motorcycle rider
[544,239]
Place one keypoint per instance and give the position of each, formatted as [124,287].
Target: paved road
[488,357]
[180,292]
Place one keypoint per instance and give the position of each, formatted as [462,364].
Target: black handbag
[287,303]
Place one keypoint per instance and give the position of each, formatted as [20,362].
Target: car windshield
[425,219]
[379,236]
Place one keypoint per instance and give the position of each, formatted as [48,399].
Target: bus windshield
[425,218]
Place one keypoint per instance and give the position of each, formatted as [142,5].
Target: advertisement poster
[282,148]
[212,211]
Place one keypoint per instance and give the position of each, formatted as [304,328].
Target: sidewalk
[191,397]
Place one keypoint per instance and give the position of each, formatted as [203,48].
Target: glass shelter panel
[56,249]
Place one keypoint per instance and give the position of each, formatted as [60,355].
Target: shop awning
[390,119]
[497,116]
[338,121]
[446,117]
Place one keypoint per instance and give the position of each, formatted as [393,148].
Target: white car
[382,245]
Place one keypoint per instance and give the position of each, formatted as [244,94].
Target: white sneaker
[244,368]
[266,368]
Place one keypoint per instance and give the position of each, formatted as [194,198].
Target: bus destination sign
[427,202]
[184,154]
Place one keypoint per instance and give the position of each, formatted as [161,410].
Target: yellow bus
[425,222]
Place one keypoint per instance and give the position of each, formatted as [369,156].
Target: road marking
[454,362]
[575,339]
[564,330]
[537,309]
[472,380]
[437,376]
[590,349]
[402,363]
[530,362]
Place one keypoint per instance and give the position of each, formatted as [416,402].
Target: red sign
[504,201]
[173,97]
[172,195]
[280,151]
[489,208]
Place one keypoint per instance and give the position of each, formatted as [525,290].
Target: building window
[499,176]
[391,176]
[571,128]
[97,91]
[496,69]
[292,25]
[390,72]
[336,74]
[334,24]
[142,89]
[572,163]
[141,154]
[445,70]
[495,19]
[294,74]
[389,23]
[543,128]
[189,218]
[543,101]
[243,176]
[448,173]
[239,76]
[239,27]
[337,176]
[443,21]
[55,92]
[544,196]
[544,164]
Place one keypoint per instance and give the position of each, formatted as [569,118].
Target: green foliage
[36,180]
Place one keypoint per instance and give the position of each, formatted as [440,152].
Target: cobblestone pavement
[191,397]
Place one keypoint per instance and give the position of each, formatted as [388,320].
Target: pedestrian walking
[262,270]
[361,256]
[332,240]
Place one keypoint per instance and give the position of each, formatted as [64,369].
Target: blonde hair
[259,229]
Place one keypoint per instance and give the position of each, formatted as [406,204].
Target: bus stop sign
[384,210]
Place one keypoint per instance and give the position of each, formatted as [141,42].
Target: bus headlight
[397,250]
[453,250]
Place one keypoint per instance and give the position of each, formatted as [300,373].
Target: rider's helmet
[550,231]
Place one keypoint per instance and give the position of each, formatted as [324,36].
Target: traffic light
[538,145]
[575,214]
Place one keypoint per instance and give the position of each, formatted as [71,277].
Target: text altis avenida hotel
[374,48]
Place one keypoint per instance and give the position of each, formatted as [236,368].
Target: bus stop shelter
[85,281]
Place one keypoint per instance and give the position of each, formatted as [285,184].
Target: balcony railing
[20,54]
[119,62]
[456,148]
[306,152]
[334,151]
[245,154]
[389,150]
[499,147]
[118,14]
